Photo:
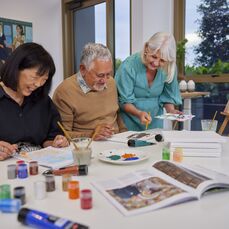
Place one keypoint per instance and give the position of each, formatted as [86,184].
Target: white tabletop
[209,212]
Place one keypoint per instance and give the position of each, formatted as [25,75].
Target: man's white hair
[94,51]
[166,45]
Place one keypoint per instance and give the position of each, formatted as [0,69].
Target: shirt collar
[83,85]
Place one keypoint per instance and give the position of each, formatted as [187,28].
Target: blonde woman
[147,83]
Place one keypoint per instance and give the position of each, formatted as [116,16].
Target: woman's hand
[174,111]
[103,131]
[144,117]
[60,141]
[170,108]
[6,150]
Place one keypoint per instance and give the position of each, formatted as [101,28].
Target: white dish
[123,156]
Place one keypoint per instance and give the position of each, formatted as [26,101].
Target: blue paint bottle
[10,205]
[39,219]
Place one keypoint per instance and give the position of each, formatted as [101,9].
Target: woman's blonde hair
[166,45]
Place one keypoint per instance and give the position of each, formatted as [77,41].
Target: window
[204,24]
[93,28]
[122,31]
[101,21]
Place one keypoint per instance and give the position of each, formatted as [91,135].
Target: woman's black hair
[27,56]
[21,28]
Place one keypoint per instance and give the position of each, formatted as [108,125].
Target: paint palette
[123,156]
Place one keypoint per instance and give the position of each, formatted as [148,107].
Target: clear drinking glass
[81,155]
[209,124]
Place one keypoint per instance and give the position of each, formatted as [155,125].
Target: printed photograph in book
[181,174]
[144,193]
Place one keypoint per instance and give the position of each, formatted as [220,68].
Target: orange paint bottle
[73,190]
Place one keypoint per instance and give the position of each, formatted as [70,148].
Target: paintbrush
[93,136]
[147,123]
[67,135]
[210,126]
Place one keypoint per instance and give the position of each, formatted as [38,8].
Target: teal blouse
[133,88]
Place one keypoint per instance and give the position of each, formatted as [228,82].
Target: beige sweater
[81,113]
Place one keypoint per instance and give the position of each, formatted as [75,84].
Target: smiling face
[29,81]
[96,77]
[153,60]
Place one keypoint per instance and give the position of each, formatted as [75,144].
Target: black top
[35,121]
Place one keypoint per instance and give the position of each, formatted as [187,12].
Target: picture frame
[13,33]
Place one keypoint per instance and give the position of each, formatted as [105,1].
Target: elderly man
[87,101]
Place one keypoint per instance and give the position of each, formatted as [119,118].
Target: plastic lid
[22,215]
[131,142]
[158,137]
[83,170]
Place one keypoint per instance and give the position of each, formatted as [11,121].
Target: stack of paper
[195,143]
[49,157]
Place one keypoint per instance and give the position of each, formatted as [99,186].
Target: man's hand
[103,132]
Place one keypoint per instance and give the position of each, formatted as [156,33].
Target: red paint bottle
[86,199]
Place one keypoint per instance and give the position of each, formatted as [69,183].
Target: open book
[165,184]
[49,157]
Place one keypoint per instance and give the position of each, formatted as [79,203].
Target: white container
[183,86]
[39,190]
[191,85]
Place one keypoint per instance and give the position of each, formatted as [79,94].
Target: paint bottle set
[11,205]
[20,169]
[177,154]
[73,189]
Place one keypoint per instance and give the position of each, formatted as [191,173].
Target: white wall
[47,30]
[149,17]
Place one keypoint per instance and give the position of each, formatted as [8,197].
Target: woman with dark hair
[19,38]
[27,114]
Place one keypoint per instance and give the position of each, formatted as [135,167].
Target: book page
[195,177]
[180,173]
[141,191]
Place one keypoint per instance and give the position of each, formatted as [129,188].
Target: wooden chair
[226,119]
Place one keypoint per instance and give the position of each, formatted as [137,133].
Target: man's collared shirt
[82,83]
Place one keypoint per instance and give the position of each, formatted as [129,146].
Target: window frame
[179,33]
[68,33]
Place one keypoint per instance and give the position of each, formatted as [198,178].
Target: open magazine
[165,184]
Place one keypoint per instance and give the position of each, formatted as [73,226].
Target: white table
[209,212]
